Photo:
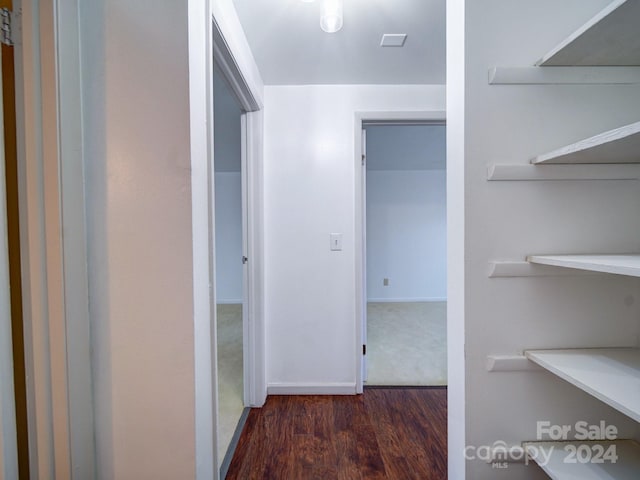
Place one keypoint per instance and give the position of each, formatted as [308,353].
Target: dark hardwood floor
[386,433]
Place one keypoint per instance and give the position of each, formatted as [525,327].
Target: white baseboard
[311,389]
[406,300]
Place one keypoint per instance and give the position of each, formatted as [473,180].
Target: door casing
[437,117]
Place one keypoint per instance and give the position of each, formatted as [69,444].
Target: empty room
[406,254]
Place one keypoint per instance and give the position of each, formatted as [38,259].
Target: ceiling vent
[393,40]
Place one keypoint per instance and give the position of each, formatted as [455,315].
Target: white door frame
[251,124]
[201,144]
[363,118]
[54,270]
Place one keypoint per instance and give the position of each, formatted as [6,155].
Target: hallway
[386,433]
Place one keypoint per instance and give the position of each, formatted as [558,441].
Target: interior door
[8,440]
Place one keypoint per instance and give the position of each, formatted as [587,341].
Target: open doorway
[235,193]
[230,259]
[404,216]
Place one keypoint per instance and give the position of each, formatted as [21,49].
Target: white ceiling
[290,48]
[406,147]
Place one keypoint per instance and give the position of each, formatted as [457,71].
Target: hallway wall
[310,193]
[139,236]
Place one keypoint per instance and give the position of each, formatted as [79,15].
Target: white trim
[73,242]
[8,442]
[54,270]
[409,117]
[30,179]
[407,300]
[201,145]
[437,117]
[456,239]
[247,273]
[231,70]
[333,388]
[364,316]
[255,390]
[240,57]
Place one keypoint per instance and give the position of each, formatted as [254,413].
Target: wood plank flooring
[386,433]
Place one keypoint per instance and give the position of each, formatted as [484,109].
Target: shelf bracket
[564,75]
[515,268]
[511,363]
[563,172]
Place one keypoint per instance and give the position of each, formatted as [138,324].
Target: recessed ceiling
[291,49]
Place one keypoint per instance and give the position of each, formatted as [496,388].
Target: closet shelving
[621,145]
[554,462]
[612,375]
[609,39]
[616,264]
[605,50]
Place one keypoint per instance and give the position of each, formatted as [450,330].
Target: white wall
[509,220]
[228,193]
[138,182]
[406,235]
[228,237]
[309,171]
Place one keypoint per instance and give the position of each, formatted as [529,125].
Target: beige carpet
[407,343]
[230,401]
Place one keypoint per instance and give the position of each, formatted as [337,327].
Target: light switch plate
[336,241]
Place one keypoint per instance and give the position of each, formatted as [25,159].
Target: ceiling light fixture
[331,16]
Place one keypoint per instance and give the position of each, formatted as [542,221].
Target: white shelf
[621,145]
[617,264]
[608,39]
[612,375]
[627,466]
